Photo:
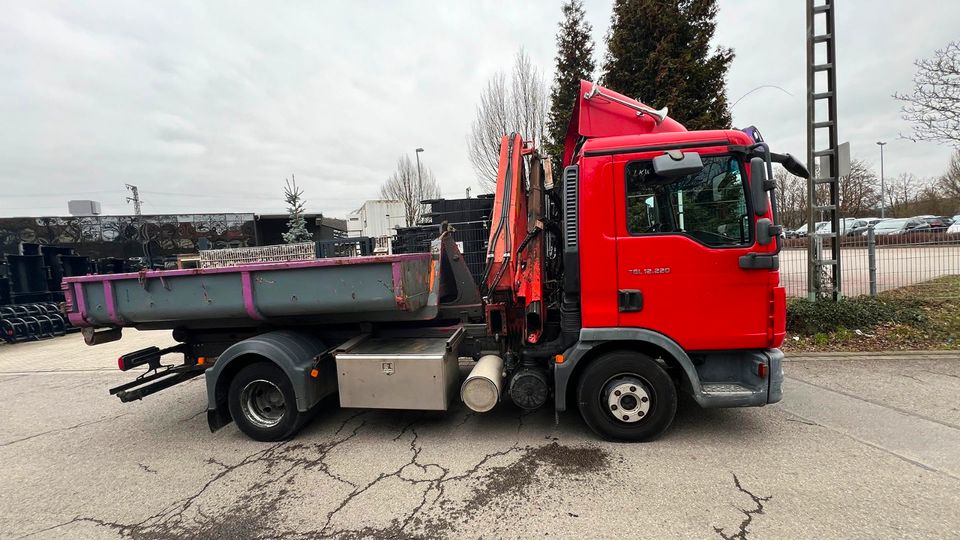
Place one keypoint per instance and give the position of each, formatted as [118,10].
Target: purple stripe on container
[260,267]
[78,315]
[397,270]
[248,305]
[109,301]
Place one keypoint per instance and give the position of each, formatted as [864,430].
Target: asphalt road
[861,447]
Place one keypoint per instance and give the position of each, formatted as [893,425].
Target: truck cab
[665,254]
[678,266]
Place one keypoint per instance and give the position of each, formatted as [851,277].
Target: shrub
[810,318]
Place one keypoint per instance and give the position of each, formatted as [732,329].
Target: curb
[885,355]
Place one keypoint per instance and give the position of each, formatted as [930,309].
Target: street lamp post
[419,178]
[419,181]
[883,201]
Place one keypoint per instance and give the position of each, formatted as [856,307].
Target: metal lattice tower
[823,189]
[135,199]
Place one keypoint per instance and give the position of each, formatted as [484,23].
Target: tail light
[150,355]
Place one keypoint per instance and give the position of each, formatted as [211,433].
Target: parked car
[955,226]
[889,227]
[859,225]
[824,227]
[799,232]
[937,223]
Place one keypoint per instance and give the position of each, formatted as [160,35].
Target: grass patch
[921,316]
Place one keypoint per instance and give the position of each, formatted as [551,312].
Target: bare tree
[902,193]
[518,105]
[931,201]
[949,183]
[791,197]
[410,186]
[940,197]
[859,190]
[934,105]
[494,118]
[530,99]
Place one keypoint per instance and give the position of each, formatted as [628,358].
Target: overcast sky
[208,106]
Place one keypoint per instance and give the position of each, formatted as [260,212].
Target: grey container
[377,288]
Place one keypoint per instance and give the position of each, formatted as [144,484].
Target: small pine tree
[296,226]
[574,62]
[659,51]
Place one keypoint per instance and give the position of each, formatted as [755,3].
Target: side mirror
[675,163]
[758,176]
[791,164]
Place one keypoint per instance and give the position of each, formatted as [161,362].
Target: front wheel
[626,396]
[263,404]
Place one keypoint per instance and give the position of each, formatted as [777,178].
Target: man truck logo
[388,368]
[648,271]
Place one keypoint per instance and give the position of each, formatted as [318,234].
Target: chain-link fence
[873,263]
[218,258]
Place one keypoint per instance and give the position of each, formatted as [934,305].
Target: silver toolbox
[399,373]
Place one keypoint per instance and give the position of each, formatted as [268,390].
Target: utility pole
[135,199]
[883,199]
[141,229]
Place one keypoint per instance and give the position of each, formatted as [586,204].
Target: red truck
[650,268]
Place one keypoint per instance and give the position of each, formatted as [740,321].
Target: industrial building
[376,219]
[165,235]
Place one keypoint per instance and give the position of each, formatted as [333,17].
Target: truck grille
[571,176]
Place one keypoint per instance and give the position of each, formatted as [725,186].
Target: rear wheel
[626,396]
[263,404]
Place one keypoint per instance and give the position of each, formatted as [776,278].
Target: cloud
[209,106]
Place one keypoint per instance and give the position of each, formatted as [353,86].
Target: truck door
[679,243]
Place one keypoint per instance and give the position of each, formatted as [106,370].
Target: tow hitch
[157,376]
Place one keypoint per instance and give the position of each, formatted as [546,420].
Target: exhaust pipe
[481,390]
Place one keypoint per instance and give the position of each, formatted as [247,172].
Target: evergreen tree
[574,62]
[659,51]
[296,226]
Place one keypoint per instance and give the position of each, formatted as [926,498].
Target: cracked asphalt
[862,447]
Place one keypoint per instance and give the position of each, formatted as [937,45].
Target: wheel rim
[262,403]
[627,398]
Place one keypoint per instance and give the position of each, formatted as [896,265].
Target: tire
[617,384]
[263,404]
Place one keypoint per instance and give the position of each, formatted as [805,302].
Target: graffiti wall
[120,236]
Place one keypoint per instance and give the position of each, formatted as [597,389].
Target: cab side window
[710,206]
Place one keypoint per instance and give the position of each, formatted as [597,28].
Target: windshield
[892,224]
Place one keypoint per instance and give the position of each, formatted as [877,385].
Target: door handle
[630,300]
[760,261]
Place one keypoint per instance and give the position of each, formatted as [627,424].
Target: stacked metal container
[30,291]
[470,220]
